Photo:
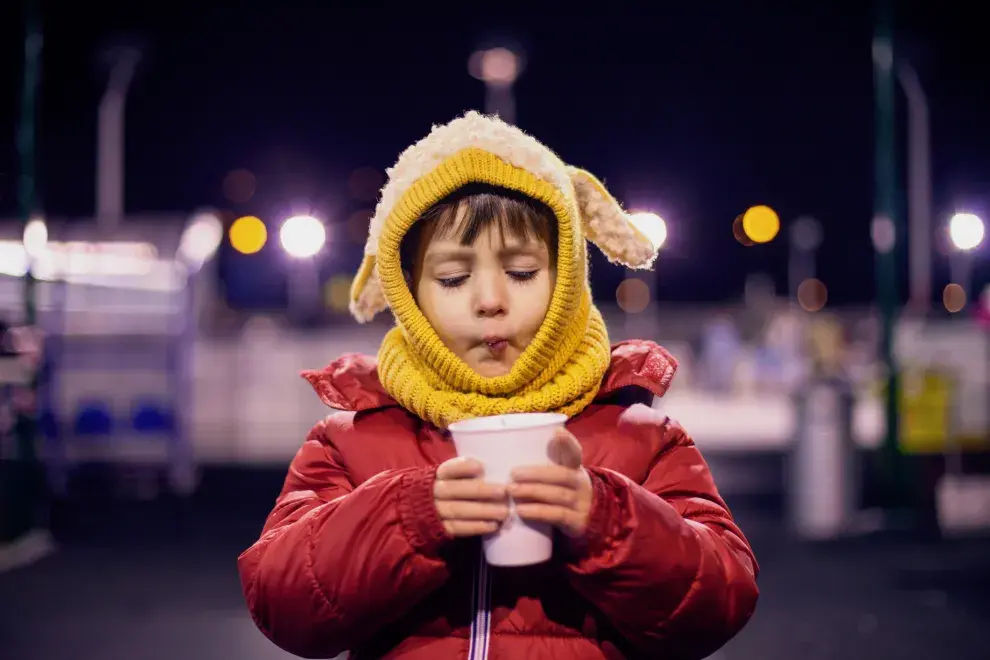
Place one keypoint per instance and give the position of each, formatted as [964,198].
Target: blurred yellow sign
[926,412]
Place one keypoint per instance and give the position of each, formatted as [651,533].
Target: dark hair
[513,212]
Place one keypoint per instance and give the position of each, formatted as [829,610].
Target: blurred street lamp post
[498,68]
[805,237]
[654,228]
[886,235]
[111,138]
[919,182]
[966,234]
[20,490]
[303,237]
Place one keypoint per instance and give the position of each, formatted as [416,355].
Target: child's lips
[496,345]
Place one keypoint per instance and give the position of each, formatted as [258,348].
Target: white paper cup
[502,443]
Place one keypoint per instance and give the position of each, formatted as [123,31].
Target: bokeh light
[302,236]
[650,225]
[35,237]
[966,231]
[954,298]
[633,295]
[201,238]
[738,233]
[248,234]
[761,224]
[495,66]
[239,186]
[812,295]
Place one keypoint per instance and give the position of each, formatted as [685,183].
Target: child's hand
[558,494]
[468,506]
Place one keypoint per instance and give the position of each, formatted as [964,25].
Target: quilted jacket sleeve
[314,580]
[664,560]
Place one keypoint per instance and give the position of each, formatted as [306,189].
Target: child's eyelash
[523,275]
[517,275]
[452,282]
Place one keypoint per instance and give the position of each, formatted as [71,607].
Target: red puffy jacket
[354,555]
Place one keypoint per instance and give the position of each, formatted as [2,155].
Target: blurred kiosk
[119,308]
[822,475]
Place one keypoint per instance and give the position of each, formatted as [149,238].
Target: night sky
[693,113]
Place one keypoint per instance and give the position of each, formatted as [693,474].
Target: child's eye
[452,282]
[523,275]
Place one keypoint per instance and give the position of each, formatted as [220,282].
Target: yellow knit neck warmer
[562,369]
[568,371]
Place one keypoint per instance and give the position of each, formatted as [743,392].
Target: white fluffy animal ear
[609,227]
[367,297]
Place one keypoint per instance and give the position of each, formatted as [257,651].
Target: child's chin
[491,368]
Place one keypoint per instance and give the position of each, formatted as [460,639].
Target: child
[478,247]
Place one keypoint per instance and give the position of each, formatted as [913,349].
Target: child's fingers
[559,516]
[460,468]
[547,474]
[543,493]
[466,510]
[456,528]
[467,489]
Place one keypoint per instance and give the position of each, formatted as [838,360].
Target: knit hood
[562,368]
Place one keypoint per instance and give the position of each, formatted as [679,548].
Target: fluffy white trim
[488,133]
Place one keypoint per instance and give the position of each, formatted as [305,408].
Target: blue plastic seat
[93,418]
[153,417]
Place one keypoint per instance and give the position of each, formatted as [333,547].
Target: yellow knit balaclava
[562,369]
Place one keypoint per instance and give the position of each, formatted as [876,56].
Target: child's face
[487,300]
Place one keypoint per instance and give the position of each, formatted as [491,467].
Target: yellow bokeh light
[248,235]
[761,224]
[954,298]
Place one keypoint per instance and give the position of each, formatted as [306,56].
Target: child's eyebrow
[466,254]
[522,249]
[453,254]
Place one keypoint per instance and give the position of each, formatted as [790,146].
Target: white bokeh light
[35,238]
[966,231]
[201,238]
[652,226]
[302,236]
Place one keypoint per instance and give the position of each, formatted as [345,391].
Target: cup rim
[510,422]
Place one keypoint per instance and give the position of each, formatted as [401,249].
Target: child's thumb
[565,450]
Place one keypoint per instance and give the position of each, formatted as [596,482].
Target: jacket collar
[351,382]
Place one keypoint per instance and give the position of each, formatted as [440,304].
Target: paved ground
[158,581]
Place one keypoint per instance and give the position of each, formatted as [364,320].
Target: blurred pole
[805,238]
[886,235]
[500,100]
[25,482]
[303,290]
[110,141]
[919,188]
[960,272]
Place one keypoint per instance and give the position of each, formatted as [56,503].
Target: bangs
[474,209]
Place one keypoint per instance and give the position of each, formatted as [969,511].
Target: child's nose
[490,297]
